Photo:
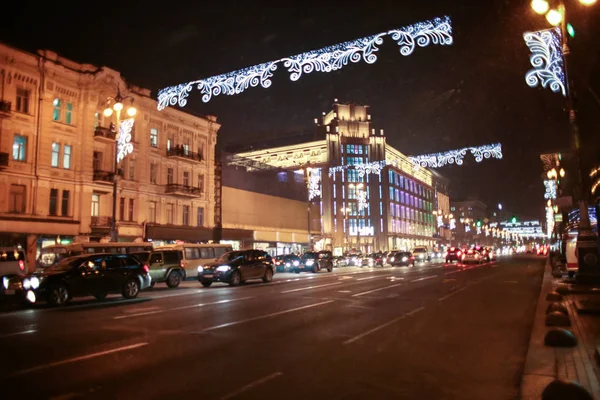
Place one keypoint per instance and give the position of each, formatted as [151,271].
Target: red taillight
[21,265]
[146,268]
[181,264]
[412,258]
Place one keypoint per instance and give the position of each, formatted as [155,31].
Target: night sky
[438,98]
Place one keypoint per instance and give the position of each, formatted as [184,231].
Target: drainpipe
[38,128]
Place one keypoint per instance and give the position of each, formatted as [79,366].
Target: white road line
[311,287]
[138,310]
[81,358]
[452,294]
[376,290]
[367,278]
[344,291]
[380,327]
[251,385]
[212,328]
[453,272]
[180,308]
[424,278]
[18,333]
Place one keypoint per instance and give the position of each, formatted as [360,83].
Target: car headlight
[200,268]
[26,283]
[392,259]
[421,256]
[5,282]
[309,262]
[371,261]
[404,259]
[296,263]
[287,264]
[34,282]
[223,268]
[31,296]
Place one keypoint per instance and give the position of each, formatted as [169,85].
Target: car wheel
[330,269]
[206,283]
[101,296]
[268,276]
[235,279]
[58,295]
[174,279]
[131,289]
[152,284]
[315,269]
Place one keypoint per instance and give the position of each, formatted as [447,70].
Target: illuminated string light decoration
[124,145]
[546,59]
[551,188]
[436,160]
[440,221]
[549,221]
[361,196]
[314,183]
[331,58]
[452,224]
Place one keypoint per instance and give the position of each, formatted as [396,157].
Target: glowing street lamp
[554,17]
[540,6]
[123,147]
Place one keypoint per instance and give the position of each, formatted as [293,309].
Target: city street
[434,331]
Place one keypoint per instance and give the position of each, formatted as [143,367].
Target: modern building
[57,158]
[370,196]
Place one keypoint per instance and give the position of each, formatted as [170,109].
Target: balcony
[5,109]
[104,133]
[4,160]
[101,222]
[183,190]
[103,176]
[179,152]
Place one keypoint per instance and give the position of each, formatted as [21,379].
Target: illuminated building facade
[371,197]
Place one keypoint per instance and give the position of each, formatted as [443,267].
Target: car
[286,263]
[373,260]
[237,267]
[354,259]
[84,275]
[421,254]
[165,266]
[402,259]
[13,264]
[472,256]
[315,261]
[454,254]
[340,261]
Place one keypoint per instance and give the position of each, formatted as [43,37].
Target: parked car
[84,275]
[12,265]
[314,261]
[454,254]
[472,256]
[402,259]
[237,267]
[165,266]
[421,254]
[286,263]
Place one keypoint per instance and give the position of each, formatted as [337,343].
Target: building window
[186,149]
[131,209]
[170,214]
[20,148]
[169,176]
[200,219]
[131,169]
[23,100]
[56,104]
[17,198]
[67,156]
[55,154]
[152,212]
[186,178]
[169,143]
[97,161]
[96,120]
[121,208]
[53,201]
[64,209]
[153,172]
[69,113]
[153,137]
[201,182]
[201,151]
[186,215]
[95,205]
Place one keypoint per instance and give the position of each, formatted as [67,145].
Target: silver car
[472,256]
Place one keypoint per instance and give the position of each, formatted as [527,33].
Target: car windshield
[66,264]
[230,256]
[308,256]
[291,257]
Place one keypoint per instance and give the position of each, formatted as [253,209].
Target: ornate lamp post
[123,147]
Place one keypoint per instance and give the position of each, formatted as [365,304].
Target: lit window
[67,156]
[95,205]
[56,104]
[154,137]
[20,148]
[55,154]
[69,113]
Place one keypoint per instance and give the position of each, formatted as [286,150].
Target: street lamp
[122,148]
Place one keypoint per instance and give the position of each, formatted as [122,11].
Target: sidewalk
[578,364]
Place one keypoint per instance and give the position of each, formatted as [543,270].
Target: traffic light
[570,30]
[478,223]
[513,220]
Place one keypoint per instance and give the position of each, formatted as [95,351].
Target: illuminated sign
[124,145]
[546,59]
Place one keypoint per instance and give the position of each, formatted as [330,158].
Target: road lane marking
[18,333]
[212,328]
[452,294]
[453,272]
[311,287]
[380,327]
[251,385]
[138,310]
[424,278]
[376,290]
[81,358]
[367,278]
[344,291]
[180,308]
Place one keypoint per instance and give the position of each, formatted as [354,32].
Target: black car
[236,267]
[287,262]
[454,254]
[84,275]
[314,261]
[402,259]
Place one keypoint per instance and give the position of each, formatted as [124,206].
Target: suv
[236,267]
[421,254]
[454,254]
[165,266]
[315,261]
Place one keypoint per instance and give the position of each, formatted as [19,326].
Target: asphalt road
[428,332]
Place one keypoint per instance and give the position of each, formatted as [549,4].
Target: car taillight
[146,268]
[21,265]
[412,258]
[181,264]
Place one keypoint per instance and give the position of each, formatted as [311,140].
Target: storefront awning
[185,233]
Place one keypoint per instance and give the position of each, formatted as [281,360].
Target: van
[196,255]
